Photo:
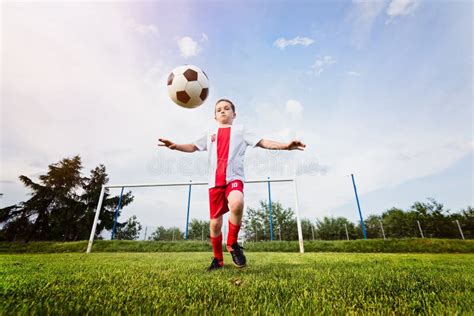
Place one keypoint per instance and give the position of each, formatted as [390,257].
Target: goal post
[190,184]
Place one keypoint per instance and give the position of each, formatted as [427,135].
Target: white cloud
[142,29]
[270,112]
[283,43]
[294,108]
[321,63]
[402,7]
[188,47]
[363,16]
[365,13]
[353,73]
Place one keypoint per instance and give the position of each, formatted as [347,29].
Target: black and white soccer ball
[188,86]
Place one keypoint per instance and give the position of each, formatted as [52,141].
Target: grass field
[272,283]
[419,245]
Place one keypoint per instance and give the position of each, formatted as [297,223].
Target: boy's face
[224,113]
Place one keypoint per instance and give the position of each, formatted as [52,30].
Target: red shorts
[218,197]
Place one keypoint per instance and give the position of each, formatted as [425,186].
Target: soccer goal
[190,184]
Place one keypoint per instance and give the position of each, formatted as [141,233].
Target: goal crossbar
[191,183]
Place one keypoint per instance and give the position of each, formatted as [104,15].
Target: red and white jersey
[226,147]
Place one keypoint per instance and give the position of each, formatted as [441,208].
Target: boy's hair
[228,101]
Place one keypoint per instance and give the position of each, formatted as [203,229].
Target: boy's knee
[236,201]
[215,225]
[236,206]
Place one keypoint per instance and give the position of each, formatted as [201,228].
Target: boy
[226,145]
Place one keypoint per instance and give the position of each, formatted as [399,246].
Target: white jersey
[226,147]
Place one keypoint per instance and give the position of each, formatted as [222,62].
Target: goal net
[190,186]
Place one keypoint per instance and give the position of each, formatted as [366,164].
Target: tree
[466,221]
[257,222]
[48,208]
[372,226]
[334,228]
[62,205]
[16,228]
[158,234]
[251,222]
[435,219]
[170,234]
[92,188]
[308,229]
[400,224]
[129,230]
[198,230]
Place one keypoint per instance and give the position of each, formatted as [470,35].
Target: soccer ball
[188,86]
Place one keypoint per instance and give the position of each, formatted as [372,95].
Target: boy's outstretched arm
[187,148]
[270,144]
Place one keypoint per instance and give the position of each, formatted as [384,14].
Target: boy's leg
[236,206]
[217,207]
[215,226]
[216,238]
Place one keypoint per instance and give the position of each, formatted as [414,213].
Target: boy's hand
[296,144]
[167,143]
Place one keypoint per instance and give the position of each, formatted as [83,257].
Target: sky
[378,89]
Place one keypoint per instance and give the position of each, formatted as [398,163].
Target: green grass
[283,283]
[372,245]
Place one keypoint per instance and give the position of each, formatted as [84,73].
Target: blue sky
[381,89]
